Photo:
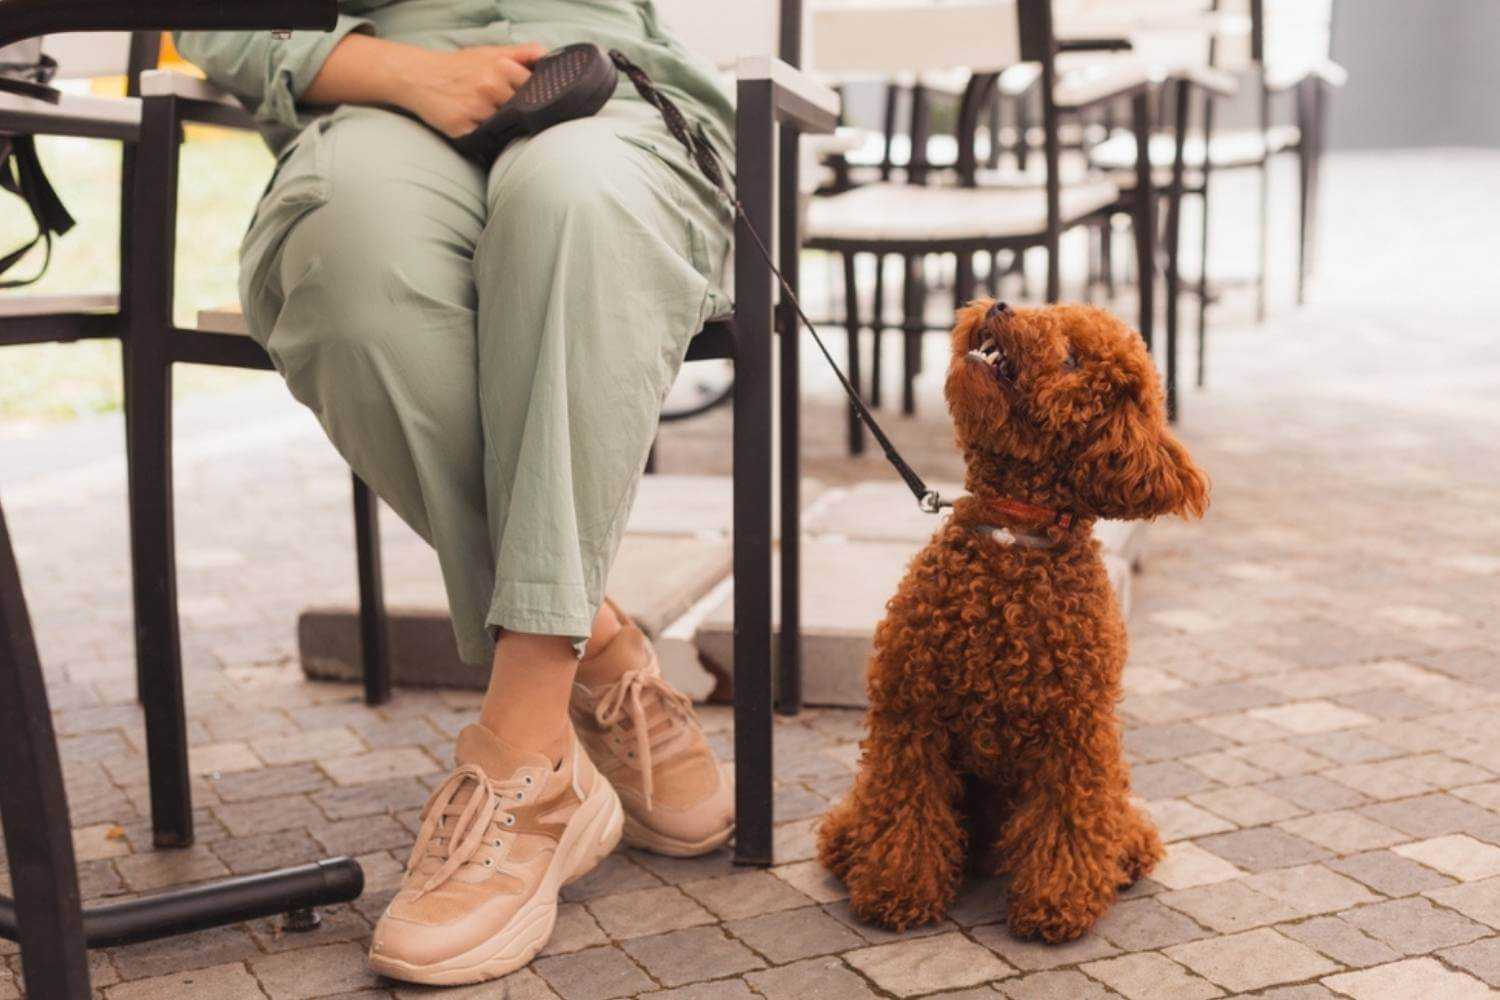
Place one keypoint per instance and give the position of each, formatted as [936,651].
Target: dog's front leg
[1066,844]
[897,840]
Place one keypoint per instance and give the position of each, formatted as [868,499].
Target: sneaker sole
[638,836]
[591,837]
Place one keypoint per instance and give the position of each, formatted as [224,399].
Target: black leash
[21,174]
[707,160]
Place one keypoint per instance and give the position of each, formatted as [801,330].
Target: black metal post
[148,376]
[1174,240]
[789,646]
[374,643]
[34,807]
[754,379]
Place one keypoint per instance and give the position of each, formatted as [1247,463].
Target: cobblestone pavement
[1312,709]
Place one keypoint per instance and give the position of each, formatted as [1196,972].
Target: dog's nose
[999,309]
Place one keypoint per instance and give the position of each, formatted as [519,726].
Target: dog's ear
[1135,468]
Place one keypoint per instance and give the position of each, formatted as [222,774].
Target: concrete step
[858,543]
[675,552]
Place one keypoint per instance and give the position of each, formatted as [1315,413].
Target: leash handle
[703,154]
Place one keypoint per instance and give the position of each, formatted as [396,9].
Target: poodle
[994,677]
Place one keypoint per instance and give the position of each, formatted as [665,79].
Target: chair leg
[374,641]
[877,333]
[148,399]
[1107,257]
[851,334]
[912,333]
[34,809]
[1203,292]
[754,380]
[1145,219]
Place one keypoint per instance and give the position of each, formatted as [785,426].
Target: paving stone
[1151,976]
[946,961]
[216,947]
[314,972]
[647,911]
[270,782]
[1251,960]
[300,747]
[1317,716]
[222,758]
[1230,906]
[100,841]
[289,812]
[362,836]
[1067,985]
[1283,758]
[265,851]
[675,871]
[1311,888]
[1246,805]
[795,934]
[614,874]
[1314,793]
[1342,831]
[1380,780]
[1031,956]
[1428,815]
[1463,857]
[1477,900]
[337,924]
[1146,925]
[371,800]
[1413,979]
[686,956]
[221,982]
[1262,848]
[379,765]
[159,869]
[1307,991]
[879,935]
[1225,768]
[1480,958]
[1186,865]
[1167,779]
[1179,820]
[748,894]
[1389,873]
[722,989]
[575,930]
[1347,746]
[812,880]
[814,979]
[1414,926]
[1486,795]
[1167,742]
[1243,727]
[595,974]
[1340,941]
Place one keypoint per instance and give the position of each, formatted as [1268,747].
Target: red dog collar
[1007,511]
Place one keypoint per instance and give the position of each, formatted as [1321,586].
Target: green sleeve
[269,74]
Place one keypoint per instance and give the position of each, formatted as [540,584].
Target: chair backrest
[885,39]
[81,55]
[1286,36]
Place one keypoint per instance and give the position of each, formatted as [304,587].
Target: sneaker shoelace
[623,698]
[463,839]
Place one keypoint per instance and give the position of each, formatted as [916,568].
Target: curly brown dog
[996,670]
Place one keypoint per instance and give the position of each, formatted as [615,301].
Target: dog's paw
[1054,924]
[1143,849]
[897,910]
[836,840]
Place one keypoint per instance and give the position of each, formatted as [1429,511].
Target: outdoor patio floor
[1312,709]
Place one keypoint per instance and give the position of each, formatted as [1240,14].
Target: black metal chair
[914,220]
[775,101]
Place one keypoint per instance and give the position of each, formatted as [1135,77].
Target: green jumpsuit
[488,350]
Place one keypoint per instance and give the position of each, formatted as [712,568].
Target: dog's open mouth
[989,353]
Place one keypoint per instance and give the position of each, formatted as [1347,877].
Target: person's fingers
[514,73]
[527,54]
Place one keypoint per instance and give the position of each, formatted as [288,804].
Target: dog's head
[1062,405]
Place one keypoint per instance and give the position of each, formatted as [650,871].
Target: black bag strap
[21,174]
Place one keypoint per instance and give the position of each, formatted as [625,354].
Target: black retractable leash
[575,82]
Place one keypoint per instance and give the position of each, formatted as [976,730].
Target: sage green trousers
[489,350]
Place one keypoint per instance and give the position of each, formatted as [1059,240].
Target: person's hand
[455,91]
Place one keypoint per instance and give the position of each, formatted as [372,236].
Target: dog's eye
[1070,363]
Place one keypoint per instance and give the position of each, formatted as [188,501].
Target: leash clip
[931,503]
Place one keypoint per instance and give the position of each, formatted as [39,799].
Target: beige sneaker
[499,839]
[642,734]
